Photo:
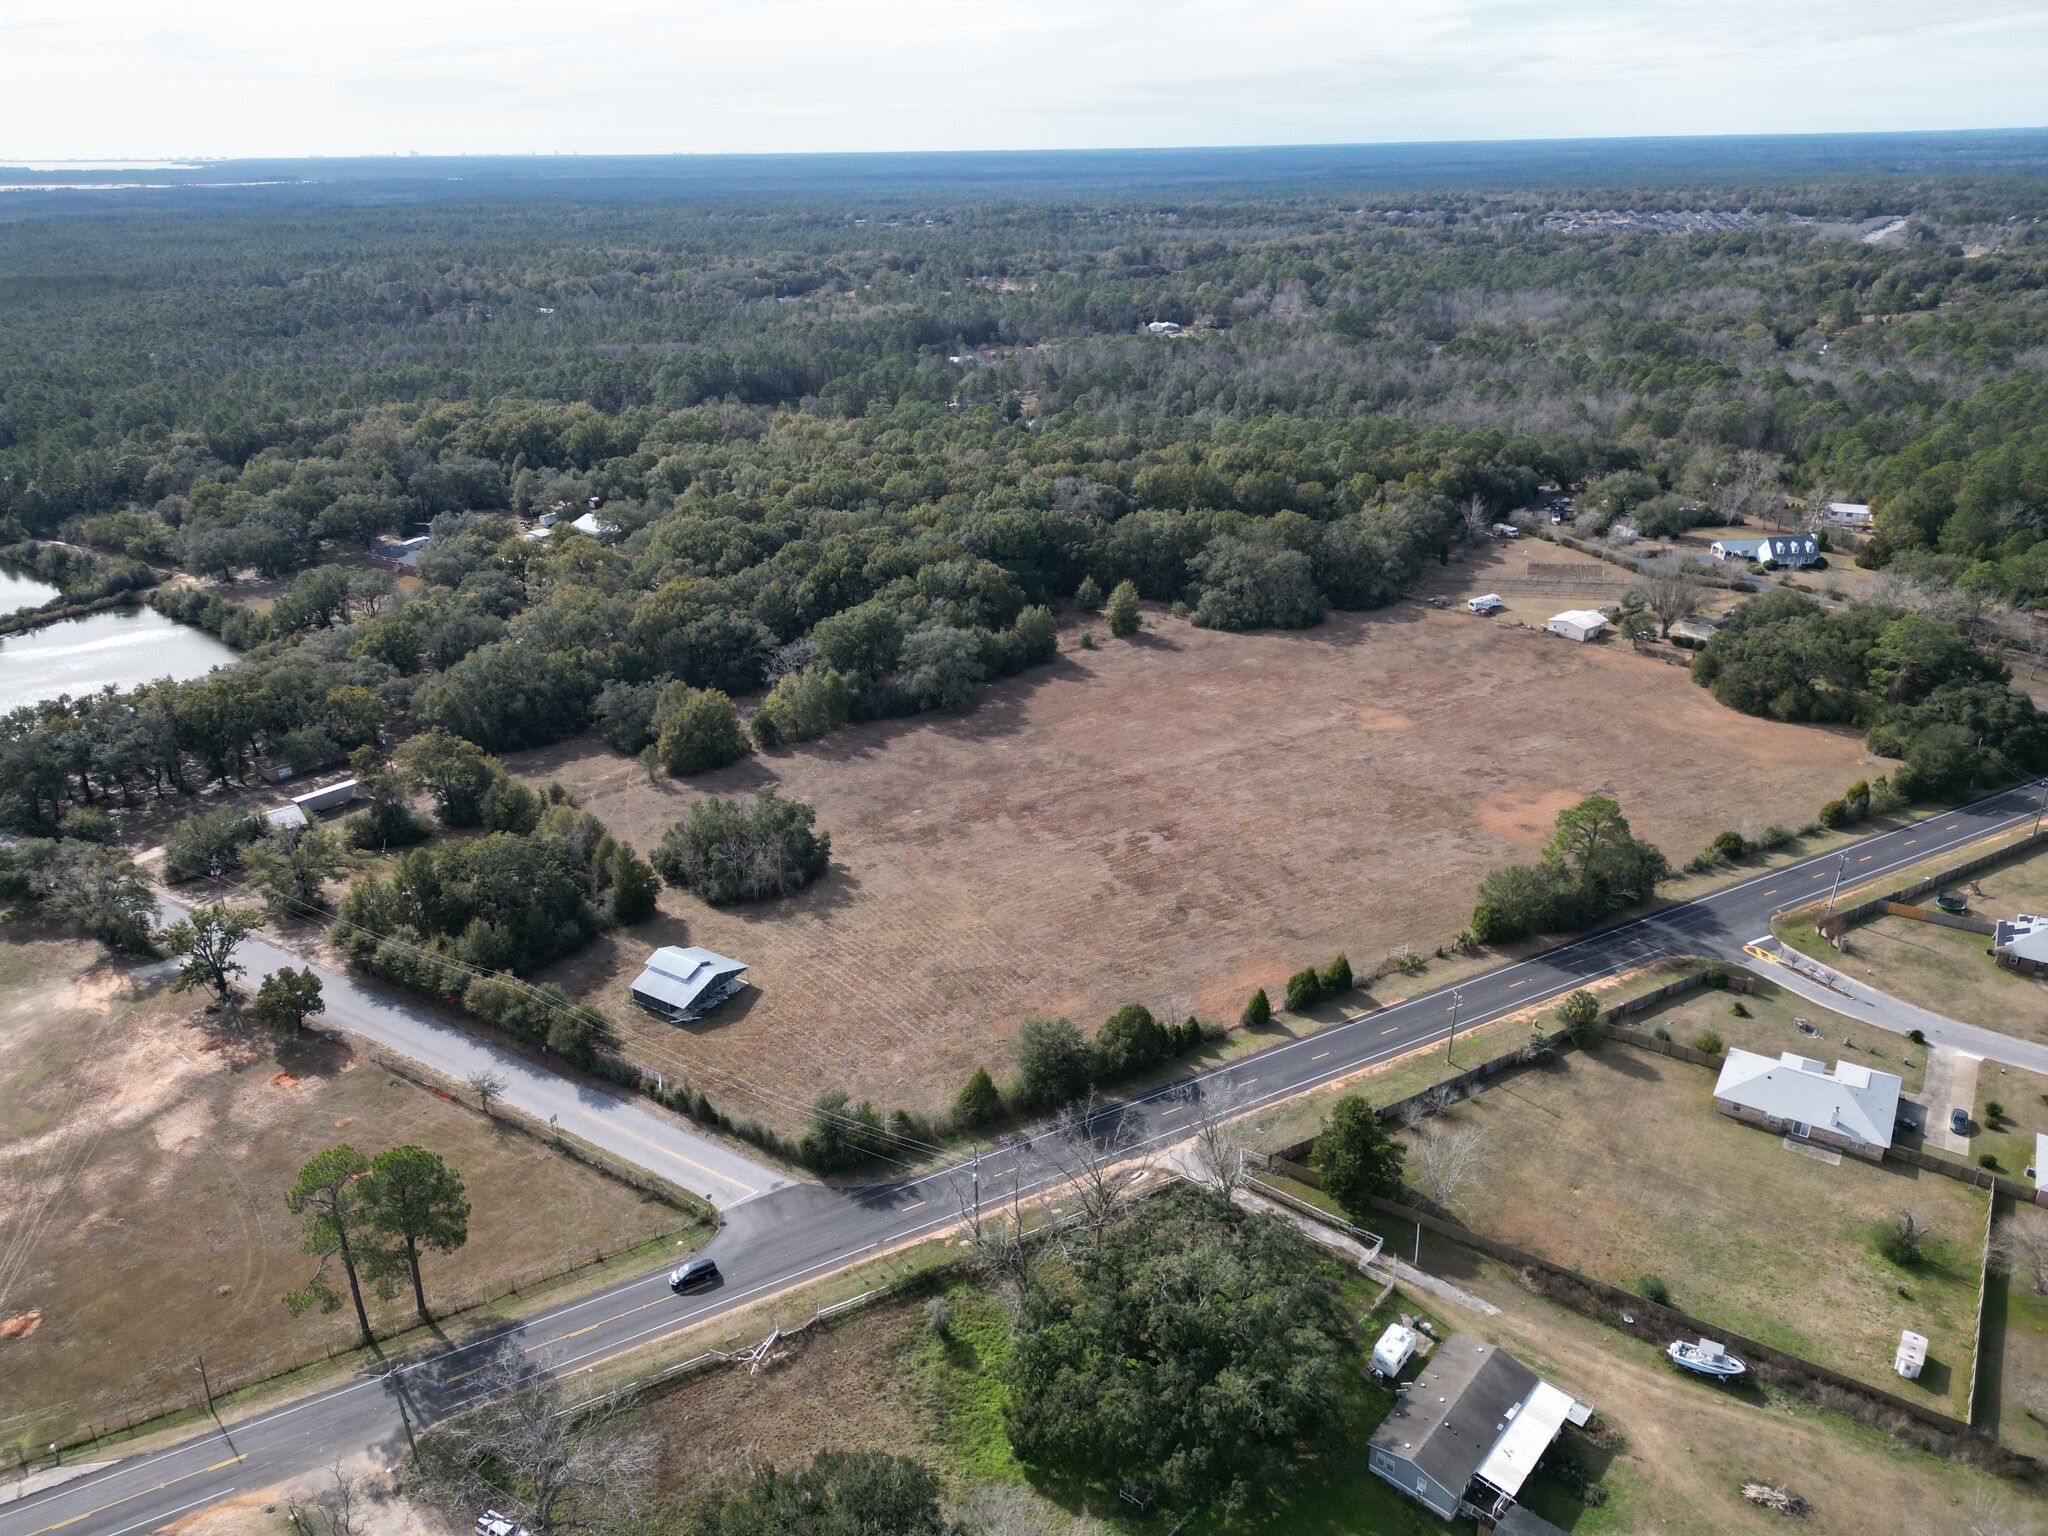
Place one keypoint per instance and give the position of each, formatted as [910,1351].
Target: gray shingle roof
[1455,1409]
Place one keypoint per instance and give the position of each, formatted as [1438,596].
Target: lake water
[19,592]
[81,656]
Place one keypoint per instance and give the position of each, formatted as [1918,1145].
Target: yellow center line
[1390,1029]
[1911,841]
[912,1207]
[1822,875]
[1247,1082]
[1514,984]
[664,1151]
[1319,1056]
[139,1493]
[550,1343]
[1174,1111]
[1864,860]
[1009,1170]
[1772,891]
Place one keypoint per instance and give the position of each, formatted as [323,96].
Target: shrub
[1088,596]
[1994,1111]
[942,668]
[1258,1012]
[1728,845]
[1715,976]
[1304,989]
[1856,800]
[938,1317]
[697,729]
[1052,1064]
[1916,1037]
[1989,1160]
[1581,1016]
[1834,814]
[1900,1240]
[1707,1041]
[88,824]
[1650,1288]
[1775,836]
[803,706]
[1130,1041]
[1337,976]
[726,852]
[1357,1157]
[1087,639]
[625,715]
[1736,1009]
[979,1102]
[1121,612]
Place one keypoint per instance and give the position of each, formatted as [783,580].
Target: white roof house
[1849,514]
[1163,327]
[1788,549]
[597,527]
[682,984]
[1851,1103]
[1580,624]
[2021,942]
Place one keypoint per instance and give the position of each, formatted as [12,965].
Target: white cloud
[100,78]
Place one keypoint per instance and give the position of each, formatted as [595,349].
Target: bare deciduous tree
[1444,1162]
[1004,1251]
[1671,587]
[1086,1146]
[532,1452]
[486,1085]
[1220,1144]
[2020,1248]
[1478,521]
[334,1511]
[1751,488]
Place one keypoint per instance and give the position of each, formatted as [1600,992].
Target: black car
[695,1273]
[1959,1121]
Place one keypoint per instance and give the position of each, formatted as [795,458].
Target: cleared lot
[144,1156]
[1188,814]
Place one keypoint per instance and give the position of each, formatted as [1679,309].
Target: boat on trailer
[1705,1358]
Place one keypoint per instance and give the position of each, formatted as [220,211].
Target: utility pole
[208,1386]
[1457,997]
[2041,806]
[1841,865]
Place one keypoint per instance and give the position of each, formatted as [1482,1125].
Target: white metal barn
[683,984]
[1581,624]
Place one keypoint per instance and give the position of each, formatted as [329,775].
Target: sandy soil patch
[1188,814]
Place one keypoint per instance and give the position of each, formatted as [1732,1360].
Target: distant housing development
[1851,1108]
[1467,1432]
[683,984]
[1793,550]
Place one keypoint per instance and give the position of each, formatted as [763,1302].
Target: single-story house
[401,555]
[1468,1431]
[287,818]
[1851,1108]
[597,527]
[1579,624]
[2021,943]
[1163,327]
[333,797]
[1795,551]
[1490,603]
[683,984]
[1849,514]
[1695,632]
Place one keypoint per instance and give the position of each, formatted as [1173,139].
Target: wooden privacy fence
[1832,926]
[1940,918]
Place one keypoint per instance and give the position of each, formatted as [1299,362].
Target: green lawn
[1769,1029]
[2016,1351]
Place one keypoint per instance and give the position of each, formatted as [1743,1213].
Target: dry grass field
[1187,814]
[144,1155]
[1615,1162]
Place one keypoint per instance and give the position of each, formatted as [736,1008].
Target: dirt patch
[21,1325]
[843,1389]
[1189,813]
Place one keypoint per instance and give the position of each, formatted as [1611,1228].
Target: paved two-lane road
[794,1233]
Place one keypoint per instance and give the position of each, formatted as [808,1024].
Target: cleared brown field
[144,1155]
[1187,814]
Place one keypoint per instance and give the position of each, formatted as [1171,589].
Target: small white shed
[1912,1354]
[286,818]
[1579,624]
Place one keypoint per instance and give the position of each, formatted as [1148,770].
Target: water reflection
[19,592]
[81,656]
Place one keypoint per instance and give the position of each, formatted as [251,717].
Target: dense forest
[854,452]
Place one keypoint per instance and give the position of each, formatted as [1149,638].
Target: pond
[19,592]
[122,647]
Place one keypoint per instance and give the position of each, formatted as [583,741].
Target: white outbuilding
[1490,603]
[1579,624]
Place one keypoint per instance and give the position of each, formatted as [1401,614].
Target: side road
[1830,988]
[630,1130]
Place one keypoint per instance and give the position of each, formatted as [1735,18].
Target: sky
[114,79]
